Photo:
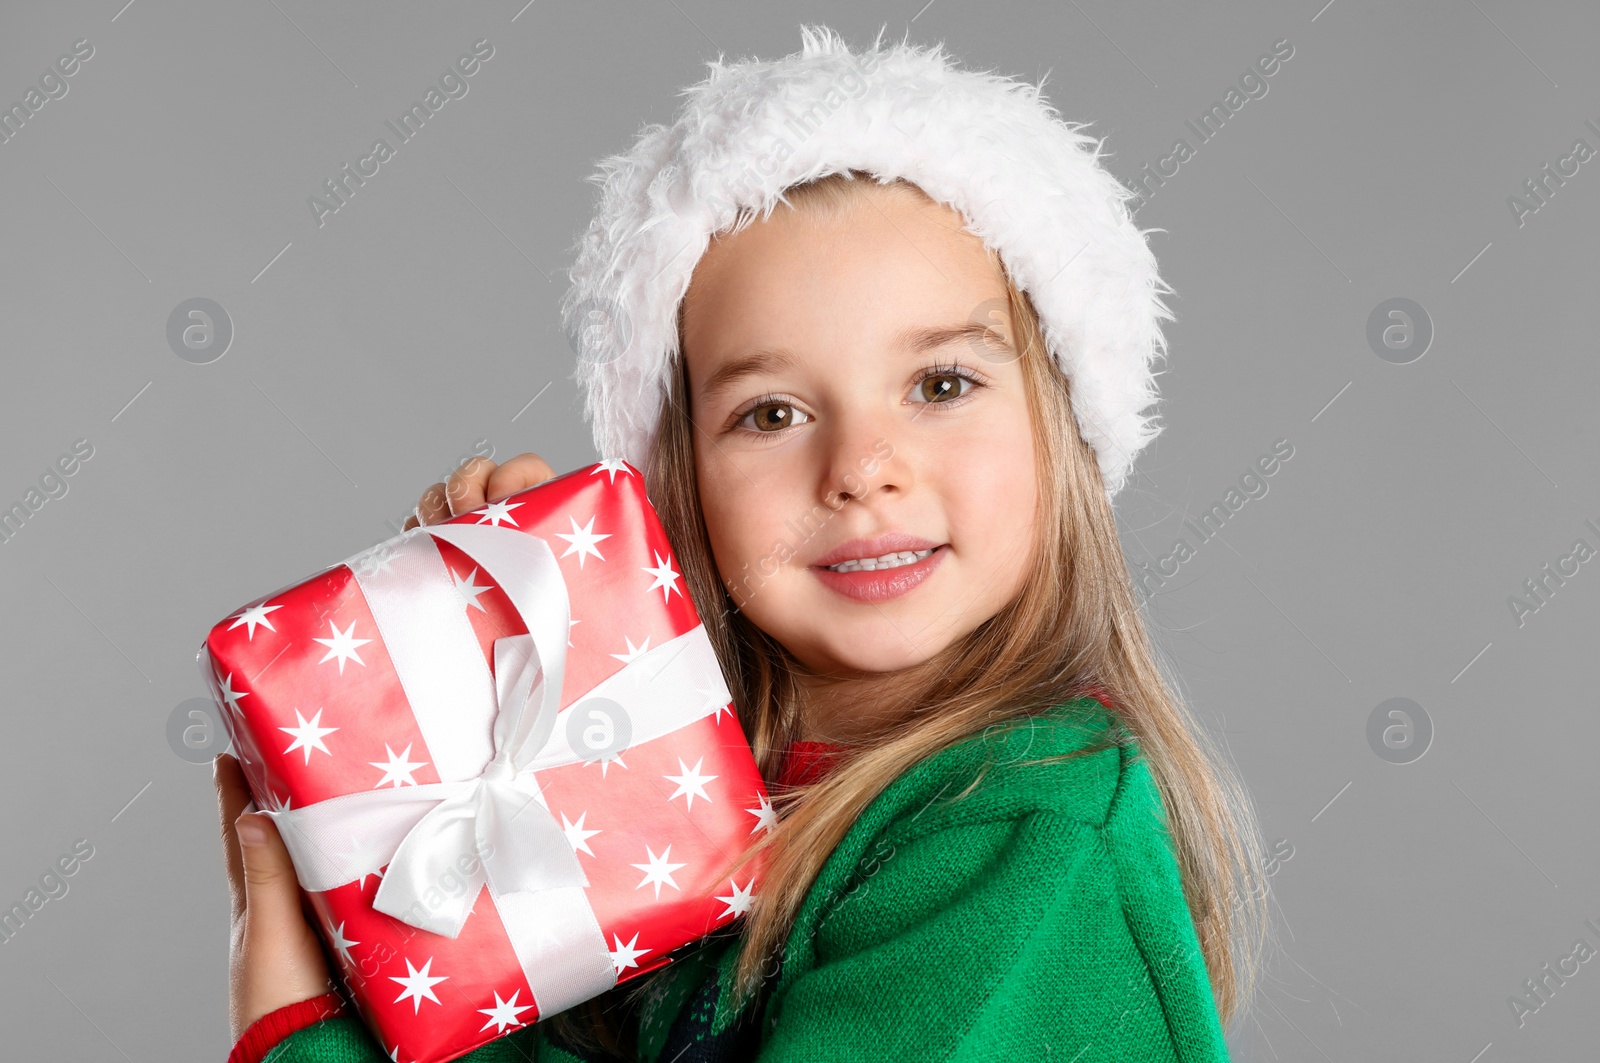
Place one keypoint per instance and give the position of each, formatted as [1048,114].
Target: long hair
[1074,628]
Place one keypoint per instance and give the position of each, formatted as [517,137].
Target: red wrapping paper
[316,709]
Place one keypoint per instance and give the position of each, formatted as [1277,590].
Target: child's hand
[274,958]
[476,483]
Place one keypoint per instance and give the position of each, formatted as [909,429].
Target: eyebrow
[773,360]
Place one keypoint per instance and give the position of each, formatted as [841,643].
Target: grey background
[375,351]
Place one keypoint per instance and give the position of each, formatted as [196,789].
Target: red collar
[806,762]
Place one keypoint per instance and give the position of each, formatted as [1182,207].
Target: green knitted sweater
[1036,915]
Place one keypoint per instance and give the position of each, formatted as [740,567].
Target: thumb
[271,891]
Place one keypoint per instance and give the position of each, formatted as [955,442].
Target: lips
[881,585]
[862,549]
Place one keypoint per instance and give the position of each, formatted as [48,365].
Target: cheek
[731,526]
[997,493]
[1008,501]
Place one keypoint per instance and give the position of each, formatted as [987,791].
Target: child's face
[939,459]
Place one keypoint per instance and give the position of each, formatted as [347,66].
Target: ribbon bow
[488,822]
[483,814]
[491,828]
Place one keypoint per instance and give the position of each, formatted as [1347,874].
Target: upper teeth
[872,564]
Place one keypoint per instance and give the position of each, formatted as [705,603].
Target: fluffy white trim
[1028,183]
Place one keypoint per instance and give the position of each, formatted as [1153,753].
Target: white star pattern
[665,577]
[570,625]
[739,901]
[691,783]
[577,837]
[607,759]
[232,696]
[244,745]
[495,512]
[633,651]
[397,771]
[308,735]
[341,944]
[469,590]
[612,466]
[765,816]
[714,699]
[275,803]
[343,645]
[624,956]
[418,984]
[504,1013]
[253,616]
[657,871]
[584,540]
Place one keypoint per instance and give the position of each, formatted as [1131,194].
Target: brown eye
[940,386]
[773,417]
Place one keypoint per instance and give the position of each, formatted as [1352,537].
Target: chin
[873,655]
[873,641]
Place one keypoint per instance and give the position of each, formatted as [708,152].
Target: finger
[517,474]
[411,522]
[272,893]
[233,797]
[433,507]
[276,957]
[464,489]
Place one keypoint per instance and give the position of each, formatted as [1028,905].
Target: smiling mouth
[878,564]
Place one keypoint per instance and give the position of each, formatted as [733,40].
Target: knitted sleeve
[1033,936]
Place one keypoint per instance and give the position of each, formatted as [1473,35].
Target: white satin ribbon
[490,824]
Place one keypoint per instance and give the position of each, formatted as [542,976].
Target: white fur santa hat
[1029,184]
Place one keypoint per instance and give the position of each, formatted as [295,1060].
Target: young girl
[879,331]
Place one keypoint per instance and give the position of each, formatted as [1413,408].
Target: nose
[860,460]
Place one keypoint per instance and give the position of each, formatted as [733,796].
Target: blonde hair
[1075,628]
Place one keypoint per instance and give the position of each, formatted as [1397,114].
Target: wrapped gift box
[503,757]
